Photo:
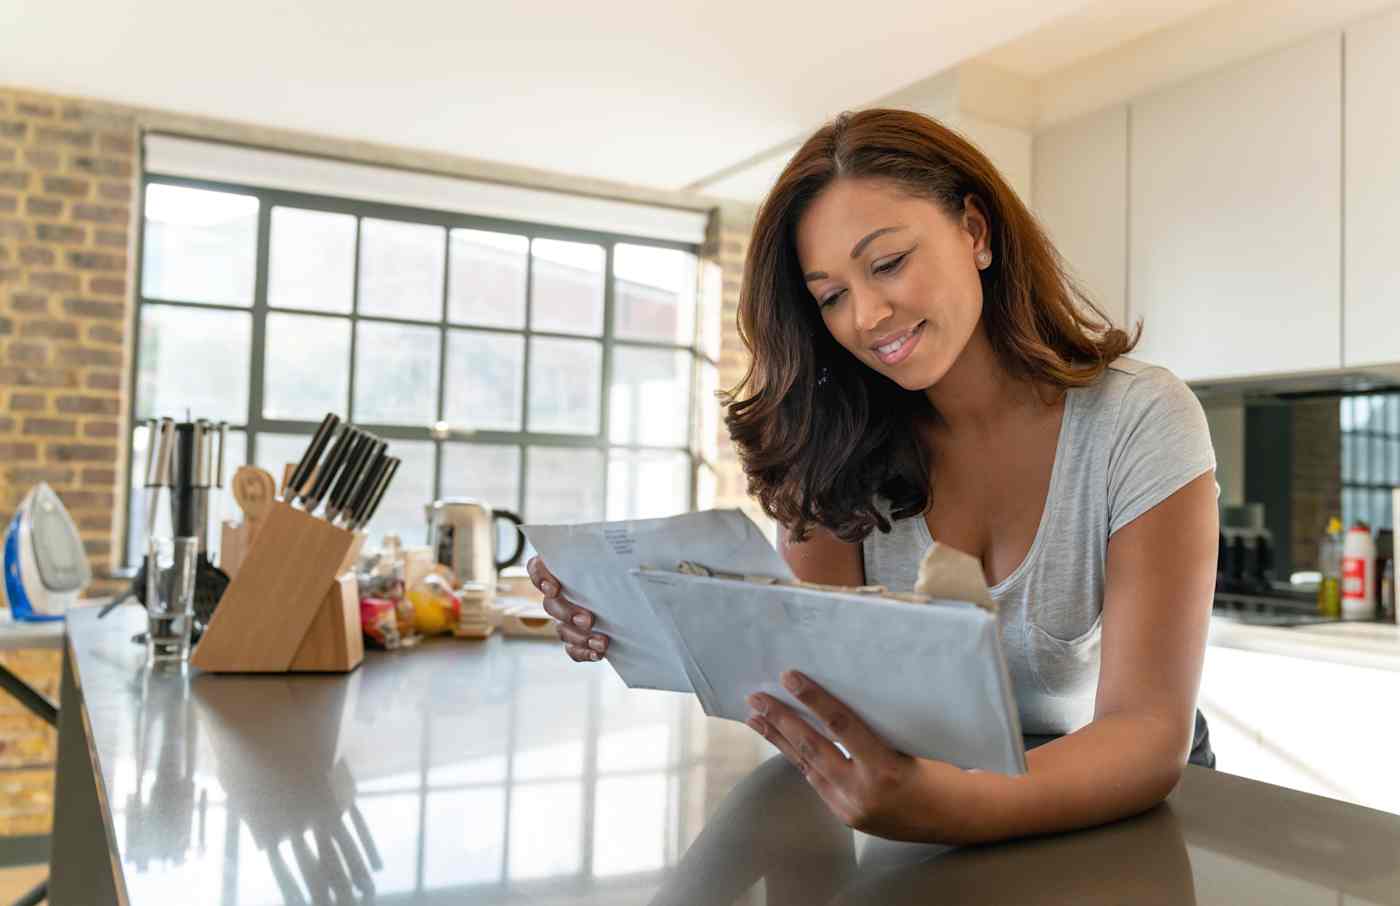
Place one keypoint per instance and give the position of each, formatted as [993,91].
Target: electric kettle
[462,535]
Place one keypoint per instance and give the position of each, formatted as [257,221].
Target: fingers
[542,578]
[851,731]
[796,738]
[566,611]
[593,643]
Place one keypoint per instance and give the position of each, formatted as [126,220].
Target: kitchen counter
[500,772]
[1353,644]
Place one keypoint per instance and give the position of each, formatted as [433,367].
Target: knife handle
[328,470]
[364,489]
[302,473]
[384,480]
[355,462]
[219,467]
[164,478]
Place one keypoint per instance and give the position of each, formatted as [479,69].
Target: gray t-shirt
[1127,442]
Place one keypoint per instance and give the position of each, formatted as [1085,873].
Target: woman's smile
[895,348]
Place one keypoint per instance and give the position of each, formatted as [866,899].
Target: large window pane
[653,294]
[235,455]
[650,396]
[487,472]
[707,412]
[199,246]
[645,484]
[401,268]
[487,282]
[403,509]
[306,369]
[565,385]
[485,380]
[194,359]
[311,260]
[396,373]
[276,451]
[566,292]
[564,484]
[711,309]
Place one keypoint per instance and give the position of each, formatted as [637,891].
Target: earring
[984,259]
[823,376]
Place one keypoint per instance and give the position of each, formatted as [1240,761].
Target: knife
[302,473]
[314,491]
[369,480]
[360,456]
[362,519]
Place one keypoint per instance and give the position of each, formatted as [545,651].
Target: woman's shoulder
[1129,385]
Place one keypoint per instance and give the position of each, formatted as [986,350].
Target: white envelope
[594,561]
[929,679]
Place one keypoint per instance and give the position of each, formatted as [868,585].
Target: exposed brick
[97,117]
[14,451]
[15,229]
[13,130]
[73,138]
[94,521]
[54,232]
[27,376]
[26,402]
[115,143]
[35,109]
[9,204]
[82,453]
[7,154]
[7,326]
[96,261]
[97,213]
[87,405]
[111,238]
[99,476]
[101,429]
[80,500]
[29,304]
[93,308]
[101,166]
[9,275]
[97,548]
[42,158]
[14,179]
[108,286]
[94,355]
[104,333]
[67,185]
[119,192]
[50,329]
[43,207]
[37,256]
[7,424]
[54,281]
[50,427]
[27,475]
[103,380]
[27,354]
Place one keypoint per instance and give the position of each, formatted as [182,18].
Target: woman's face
[895,277]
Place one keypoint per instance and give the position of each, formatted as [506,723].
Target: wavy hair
[822,436]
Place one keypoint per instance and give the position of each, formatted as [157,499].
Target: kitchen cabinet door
[1234,219]
[1372,303]
[1080,187]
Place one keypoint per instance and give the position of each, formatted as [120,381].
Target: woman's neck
[977,394]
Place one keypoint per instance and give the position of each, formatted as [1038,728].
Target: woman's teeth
[896,344]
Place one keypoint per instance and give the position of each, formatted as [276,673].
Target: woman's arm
[823,558]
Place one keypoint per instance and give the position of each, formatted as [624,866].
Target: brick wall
[1317,475]
[68,176]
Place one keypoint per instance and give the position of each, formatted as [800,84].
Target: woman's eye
[831,299]
[891,266]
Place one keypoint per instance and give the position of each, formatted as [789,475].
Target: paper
[929,679]
[594,561]
[946,572]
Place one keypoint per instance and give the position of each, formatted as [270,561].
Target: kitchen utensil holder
[294,604]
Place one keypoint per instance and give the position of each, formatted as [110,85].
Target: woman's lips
[904,349]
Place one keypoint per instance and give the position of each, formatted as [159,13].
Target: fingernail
[757,724]
[596,644]
[580,620]
[549,588]
[792,681]
[758,703]
[594,656]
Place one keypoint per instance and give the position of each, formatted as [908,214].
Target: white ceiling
[659,94]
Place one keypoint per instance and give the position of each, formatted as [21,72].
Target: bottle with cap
[1329,564]
[1359,574]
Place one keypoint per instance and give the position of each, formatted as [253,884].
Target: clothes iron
[46,567]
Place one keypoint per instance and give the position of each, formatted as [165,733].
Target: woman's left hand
[877,789]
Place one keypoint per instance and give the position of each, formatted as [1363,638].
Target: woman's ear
[976,224]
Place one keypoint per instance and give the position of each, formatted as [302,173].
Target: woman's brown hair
[821,435]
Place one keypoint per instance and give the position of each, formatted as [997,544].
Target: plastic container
[1329,564]
[1359,574]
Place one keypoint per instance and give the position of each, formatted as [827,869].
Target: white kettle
[462,535]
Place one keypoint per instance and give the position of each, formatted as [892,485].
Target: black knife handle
[362,520]
[355,461]
[184,468]
[319,440]
[325,475]
[364,490]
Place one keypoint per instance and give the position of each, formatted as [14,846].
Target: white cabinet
[1372,318]
[1234,217]
[1080,187]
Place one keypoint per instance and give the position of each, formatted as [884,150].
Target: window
[1370,458]
[564,374]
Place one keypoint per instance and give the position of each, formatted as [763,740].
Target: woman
[923,368]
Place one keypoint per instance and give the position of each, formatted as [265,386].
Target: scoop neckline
[1051,494]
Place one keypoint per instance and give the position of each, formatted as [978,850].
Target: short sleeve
[1161,443]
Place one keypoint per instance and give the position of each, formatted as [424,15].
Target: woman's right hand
[574,622]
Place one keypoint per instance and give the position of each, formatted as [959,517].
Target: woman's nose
[871,310]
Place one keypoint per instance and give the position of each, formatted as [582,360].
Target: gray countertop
[500,772]
[1354,644]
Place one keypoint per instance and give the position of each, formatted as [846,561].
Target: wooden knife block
[294,604]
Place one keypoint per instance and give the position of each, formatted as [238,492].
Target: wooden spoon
[254,489]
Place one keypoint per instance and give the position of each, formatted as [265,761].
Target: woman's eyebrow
[856,250]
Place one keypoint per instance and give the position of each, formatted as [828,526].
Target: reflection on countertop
[501,772]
